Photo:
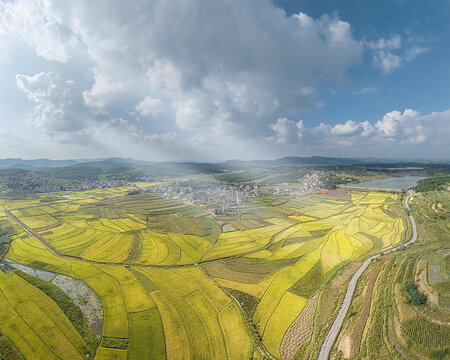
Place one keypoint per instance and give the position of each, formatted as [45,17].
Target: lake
[397,183]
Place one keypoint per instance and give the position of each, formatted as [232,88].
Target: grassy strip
[146,283]
[115,343]
[134,252]
[68,307]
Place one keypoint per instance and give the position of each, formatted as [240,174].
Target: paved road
[337,324]
[413,222]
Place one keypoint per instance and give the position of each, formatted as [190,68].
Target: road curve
[337,324]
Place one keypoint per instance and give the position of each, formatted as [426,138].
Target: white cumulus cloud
[149,106]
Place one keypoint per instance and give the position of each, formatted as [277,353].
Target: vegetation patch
[5,239]
[8,351]
[247,301]
[415,297]
[309,283]
[427,334]
[431,184]
[440,354]
[115,343]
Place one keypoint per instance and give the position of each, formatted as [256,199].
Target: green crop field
[165,273]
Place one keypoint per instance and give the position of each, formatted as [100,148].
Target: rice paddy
[164,270]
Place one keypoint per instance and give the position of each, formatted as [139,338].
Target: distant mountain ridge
[39,164]
[34,164]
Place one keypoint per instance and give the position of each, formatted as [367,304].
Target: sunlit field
[186,289]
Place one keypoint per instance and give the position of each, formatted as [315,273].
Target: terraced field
[405,293]
[172,285]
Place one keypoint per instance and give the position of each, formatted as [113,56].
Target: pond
[397,183]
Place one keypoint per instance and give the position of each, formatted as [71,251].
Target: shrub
[415,297]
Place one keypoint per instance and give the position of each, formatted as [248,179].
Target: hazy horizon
[229,159]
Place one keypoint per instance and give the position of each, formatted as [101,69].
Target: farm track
[338,322]
[55,252]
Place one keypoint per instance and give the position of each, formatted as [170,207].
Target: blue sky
[211,80]
[422,84]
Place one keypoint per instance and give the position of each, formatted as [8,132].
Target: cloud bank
[174,79]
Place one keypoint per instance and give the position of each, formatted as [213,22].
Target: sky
[210,80]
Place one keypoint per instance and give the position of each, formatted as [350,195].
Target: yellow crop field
[29,343]
[194,246]
[277,289]
[146,335]
[214,340]
[134,224]
[48,306]
[136,219]
[263,235]
[323,210]
[112,249]
[235,242]
[194,318]
[283,222]
[215,296]
[177,342]
[195,332]
[104,353]
[345,245]
[36,221]
[272,296]
[289,231]
[235,333]
[28,250]
[302,218]
[252,289]
[374,197]
[259,254]
[285,313]
[154,250]
[165,249]
[25,307]
[330,253]
[135,297]
[114,308]
[286,252]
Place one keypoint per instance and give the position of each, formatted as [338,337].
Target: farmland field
[406,293]
[175,281]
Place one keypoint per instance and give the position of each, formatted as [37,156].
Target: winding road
[337,324]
